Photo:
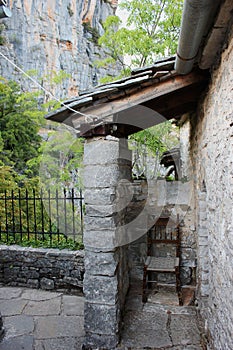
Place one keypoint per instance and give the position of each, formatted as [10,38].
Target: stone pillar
[107,166]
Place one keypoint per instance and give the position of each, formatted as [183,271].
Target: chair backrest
[163,238]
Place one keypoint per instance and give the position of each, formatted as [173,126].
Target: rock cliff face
[50,36]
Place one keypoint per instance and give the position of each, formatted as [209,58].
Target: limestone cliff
[51,36]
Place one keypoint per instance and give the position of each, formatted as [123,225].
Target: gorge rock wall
[50,36]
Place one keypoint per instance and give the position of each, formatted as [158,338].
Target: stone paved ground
[160,323]
[40,320]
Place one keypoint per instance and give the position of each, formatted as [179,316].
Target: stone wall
[212,156]
[49,269]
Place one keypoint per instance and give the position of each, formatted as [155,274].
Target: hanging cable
[46,91]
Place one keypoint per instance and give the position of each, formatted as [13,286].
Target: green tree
[148,146]
[20,120]
[21,151]
[60,167]
[114,41]
[152,31]
[61,159]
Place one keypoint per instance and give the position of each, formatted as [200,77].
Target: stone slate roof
[139,78]
[144,99]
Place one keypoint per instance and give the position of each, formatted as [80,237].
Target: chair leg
[180,298]
[156,279]
[144,285]
[178,286]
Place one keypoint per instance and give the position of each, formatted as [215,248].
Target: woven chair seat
[162,264]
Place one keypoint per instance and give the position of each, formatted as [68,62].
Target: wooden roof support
[133,103]
[171,97]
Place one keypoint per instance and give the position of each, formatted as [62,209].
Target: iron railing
[45,215]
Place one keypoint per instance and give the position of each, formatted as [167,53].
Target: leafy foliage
[61,159]
[20,120]
[21,149]
[152,31]
[42,242]
[148,146]
[8,178]
[56,78]
[2,38]
[114,41]
[93,31]
[157,23]
[30,218]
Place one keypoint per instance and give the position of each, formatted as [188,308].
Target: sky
[121,13]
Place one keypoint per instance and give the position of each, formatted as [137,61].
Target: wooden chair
[164,235]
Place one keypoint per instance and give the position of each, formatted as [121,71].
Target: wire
[47,91]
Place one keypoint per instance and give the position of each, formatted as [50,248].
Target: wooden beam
[88,130]
[178,102]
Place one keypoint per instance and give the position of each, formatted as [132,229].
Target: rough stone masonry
[49,269]
[212,160]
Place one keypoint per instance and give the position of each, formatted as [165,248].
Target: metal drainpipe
[196,18]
